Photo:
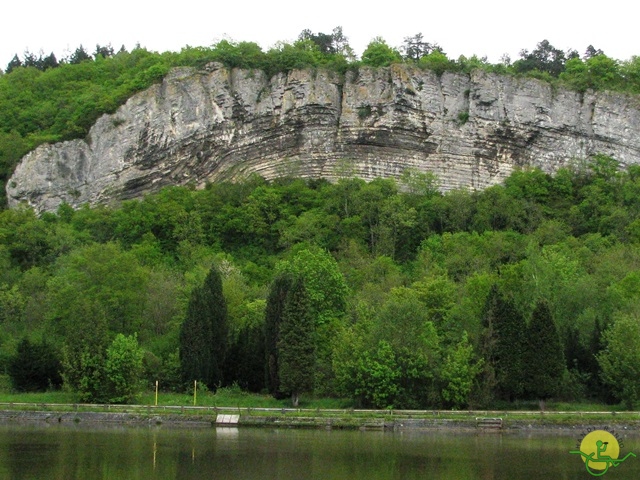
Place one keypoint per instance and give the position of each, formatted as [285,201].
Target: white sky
[460,27]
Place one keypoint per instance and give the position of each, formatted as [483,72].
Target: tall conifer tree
[203,335]
[504,346]
[273,316]
[296,346]
[13,64]
[486,391]
[510,350]
[195,337]
[545,361]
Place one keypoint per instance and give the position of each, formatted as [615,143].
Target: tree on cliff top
[379,54]
[414,47]
[544,58]
[329,43]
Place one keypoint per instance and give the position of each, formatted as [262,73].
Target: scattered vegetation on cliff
[410,297]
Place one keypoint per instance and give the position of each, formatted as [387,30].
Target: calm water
[65,453]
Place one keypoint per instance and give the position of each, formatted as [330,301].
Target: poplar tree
[296,346]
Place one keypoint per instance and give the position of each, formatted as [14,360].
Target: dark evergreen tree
[414,48]
[589,363]
[273,316]
[545,58]
[580,354]
[203,335]
[103,51]
[79,55]
[591,52]
[30,60]
[485,394]
[504,346]
[296,347]
[35,367]
[545,361]
[50,62]
[324,41]
[510,350]
[328,43]
[219,324]
[195,337]
[244,363]
[13,64]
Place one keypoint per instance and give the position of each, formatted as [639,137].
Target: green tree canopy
[620,359]
[544,58]
[458,373]
[101,275]
[123,368]
[379,54]
[327,293]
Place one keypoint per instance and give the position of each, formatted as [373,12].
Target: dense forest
[388,293]
[43,99]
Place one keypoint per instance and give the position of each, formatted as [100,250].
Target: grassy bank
[224,397]
[265,410]
[233,397]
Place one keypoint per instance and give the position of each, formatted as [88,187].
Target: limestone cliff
[201,126]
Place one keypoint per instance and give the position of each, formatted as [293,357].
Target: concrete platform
[227,419]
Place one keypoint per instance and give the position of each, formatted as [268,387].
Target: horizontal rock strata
[196,127]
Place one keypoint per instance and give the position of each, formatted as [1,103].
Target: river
[81,452]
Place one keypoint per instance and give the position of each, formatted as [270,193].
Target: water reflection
[65,452]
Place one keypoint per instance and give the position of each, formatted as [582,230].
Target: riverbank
[208,417]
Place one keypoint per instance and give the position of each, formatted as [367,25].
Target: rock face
[201,126]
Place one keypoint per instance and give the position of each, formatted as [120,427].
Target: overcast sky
[485,28]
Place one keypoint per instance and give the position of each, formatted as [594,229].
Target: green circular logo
[600,450]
